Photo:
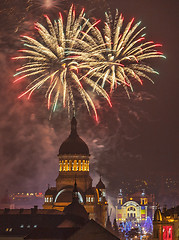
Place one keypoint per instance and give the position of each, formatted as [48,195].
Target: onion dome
[158,215]
[50,191]
[100,184]
[74,144]
[75,208]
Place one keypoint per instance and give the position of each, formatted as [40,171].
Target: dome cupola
[74,145]
[74,153]
[100,184]
[158,215]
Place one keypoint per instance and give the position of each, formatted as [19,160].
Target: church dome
[51,191]
[74,145]
[48,192]
[100,184]
[158,215]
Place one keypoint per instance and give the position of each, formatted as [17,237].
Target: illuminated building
[71,224]
[135,208]
[74,165]
[25,200]
[166,224]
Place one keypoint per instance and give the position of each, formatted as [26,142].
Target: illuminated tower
[74,161]
[74,166]
[157,226]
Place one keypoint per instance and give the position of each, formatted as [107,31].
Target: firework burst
[49,63]
[118,56]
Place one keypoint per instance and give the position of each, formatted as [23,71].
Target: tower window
[79,165]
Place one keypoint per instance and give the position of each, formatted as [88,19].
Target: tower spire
[73,127]
[75,191]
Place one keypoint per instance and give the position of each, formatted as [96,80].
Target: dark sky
[161,19]
[160,138]
[146,148]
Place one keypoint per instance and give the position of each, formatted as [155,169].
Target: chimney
[34,210]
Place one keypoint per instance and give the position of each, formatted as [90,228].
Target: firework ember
[49,63]
[118,55]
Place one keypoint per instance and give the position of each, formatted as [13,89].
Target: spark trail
[49,63]
[117,55]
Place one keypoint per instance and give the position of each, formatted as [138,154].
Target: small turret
[120,197]
[158,215]
[101,189]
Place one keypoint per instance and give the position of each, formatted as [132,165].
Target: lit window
[35,226]
[7,229]
[21,226]
[91,199]
[100,199]
[10,229]
[28,226]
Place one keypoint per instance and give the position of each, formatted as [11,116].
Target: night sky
[134,140]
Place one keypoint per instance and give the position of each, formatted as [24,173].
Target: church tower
[74,167]
[74,161]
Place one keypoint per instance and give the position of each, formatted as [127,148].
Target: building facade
[166,224]
[74,160]
[134,208]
